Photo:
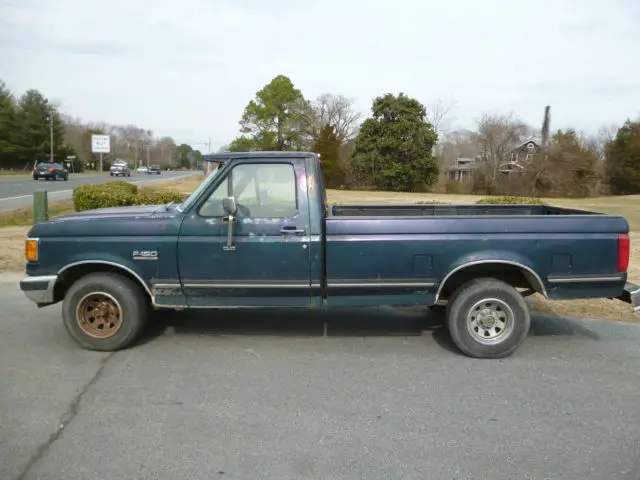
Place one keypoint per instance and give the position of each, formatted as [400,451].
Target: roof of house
[530,140]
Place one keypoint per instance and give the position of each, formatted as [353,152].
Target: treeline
[403,146]
[29,123]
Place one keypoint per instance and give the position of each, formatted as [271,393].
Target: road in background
[16,191]
[245,394]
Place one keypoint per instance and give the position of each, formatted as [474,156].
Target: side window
[262,190]
[265,190]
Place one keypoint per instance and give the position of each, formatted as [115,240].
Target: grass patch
[24,216]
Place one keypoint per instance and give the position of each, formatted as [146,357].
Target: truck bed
[429,210]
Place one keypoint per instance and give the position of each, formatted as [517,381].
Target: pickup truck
[258,232]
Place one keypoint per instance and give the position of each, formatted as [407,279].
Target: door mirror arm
[230,207]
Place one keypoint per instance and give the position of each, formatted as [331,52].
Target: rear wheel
[104,311]
[487,318]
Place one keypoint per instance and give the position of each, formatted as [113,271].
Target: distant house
[519,157]
[515,161]
[463,168]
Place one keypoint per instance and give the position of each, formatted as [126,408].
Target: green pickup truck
[258,233]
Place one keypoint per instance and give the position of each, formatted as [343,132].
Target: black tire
[132,302]
[66,178]
[493,337]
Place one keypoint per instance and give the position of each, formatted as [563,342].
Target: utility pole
[50,118]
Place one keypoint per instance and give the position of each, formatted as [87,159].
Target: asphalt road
[17,191]
[239,395]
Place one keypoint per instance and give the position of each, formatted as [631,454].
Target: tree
[623,160]
[34,136]
[8,128]
[393,148]
[329,109]
[497,135]
[328,146]
[438,115]
[568,168]
[271,120]
[184,156]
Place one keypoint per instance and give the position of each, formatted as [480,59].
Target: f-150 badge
[145,255]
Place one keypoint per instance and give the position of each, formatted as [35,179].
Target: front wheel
[104,311]
[487,318]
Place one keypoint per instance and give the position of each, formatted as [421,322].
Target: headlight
[31,249]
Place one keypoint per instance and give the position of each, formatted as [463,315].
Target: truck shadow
[371,322]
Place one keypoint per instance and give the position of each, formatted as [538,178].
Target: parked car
[250,236]
[154,170]
[120,170]
[142,169]
[50,171]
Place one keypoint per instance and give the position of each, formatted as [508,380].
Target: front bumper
[39,289]
[631,294]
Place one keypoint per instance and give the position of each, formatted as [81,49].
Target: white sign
[100,144]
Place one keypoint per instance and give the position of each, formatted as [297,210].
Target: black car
[154,169]
[50,171]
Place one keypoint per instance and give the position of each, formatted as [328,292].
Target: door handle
[292,230]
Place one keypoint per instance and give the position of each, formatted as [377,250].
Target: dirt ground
[12,240]
[12,248]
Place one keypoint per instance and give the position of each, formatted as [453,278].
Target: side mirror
[229,205]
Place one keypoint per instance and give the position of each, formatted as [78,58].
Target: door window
[262,190]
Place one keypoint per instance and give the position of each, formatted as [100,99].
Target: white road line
[67,191]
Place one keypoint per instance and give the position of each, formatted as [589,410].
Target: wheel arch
[69,274]
[509,271]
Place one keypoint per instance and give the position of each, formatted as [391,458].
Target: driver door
[268,263]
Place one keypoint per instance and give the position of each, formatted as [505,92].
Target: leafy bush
[158,197]
[90,197]
[510,201]
[130,187]
[119,194]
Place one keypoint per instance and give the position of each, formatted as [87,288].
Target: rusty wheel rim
[99,315]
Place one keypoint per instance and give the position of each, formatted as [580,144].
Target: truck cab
[258,232]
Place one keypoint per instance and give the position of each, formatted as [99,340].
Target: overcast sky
[187,68]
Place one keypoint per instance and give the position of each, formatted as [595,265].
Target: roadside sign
[100,144]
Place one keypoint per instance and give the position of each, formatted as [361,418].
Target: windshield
[196,193]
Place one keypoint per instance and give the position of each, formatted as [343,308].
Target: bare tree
[497,135]
[439,115]
[329,109]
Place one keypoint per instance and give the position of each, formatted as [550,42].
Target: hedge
[510,201]
[119,194]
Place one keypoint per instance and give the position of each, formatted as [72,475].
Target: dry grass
[24,216]
[12,248]
[12,238]
[182,185]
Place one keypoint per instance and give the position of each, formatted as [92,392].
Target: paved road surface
[383,396]
[17,191]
